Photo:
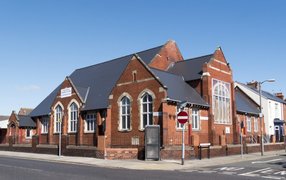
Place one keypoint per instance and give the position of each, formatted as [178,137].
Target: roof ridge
[108,61]
[195,58]
[167,72]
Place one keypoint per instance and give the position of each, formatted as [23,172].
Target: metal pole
[241,148]
[261,123]
[60,138]
[183,144]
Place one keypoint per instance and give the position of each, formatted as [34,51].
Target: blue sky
[42,42]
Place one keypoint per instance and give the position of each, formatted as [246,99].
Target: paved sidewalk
[143,165]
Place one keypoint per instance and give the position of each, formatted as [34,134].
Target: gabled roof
[244,103]
[178,89]
[94,83]
[26,121]
[264,94]
[25,111]
[190,69]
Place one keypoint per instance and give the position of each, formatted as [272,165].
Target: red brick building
[21,127]
[106,107]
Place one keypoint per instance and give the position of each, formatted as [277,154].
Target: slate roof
[190,69]
[178,89]
[265,94]
[244,104]
[26,121]
[95,83]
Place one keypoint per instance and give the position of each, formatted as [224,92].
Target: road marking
[262,162]
[271,177]
[252,173]
[229,169]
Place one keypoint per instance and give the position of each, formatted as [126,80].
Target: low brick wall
[121,153]
[175,152]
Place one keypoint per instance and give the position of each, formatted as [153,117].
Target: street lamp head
[268,80]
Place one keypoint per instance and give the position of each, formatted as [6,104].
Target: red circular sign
[183,117]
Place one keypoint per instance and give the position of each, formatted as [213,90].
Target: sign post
[183,117]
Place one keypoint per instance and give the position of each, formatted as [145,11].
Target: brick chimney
[280,95]
[253,84]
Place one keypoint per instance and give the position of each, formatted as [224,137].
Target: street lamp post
[260,114]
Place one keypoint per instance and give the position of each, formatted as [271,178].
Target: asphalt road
[267,168]
[22,169]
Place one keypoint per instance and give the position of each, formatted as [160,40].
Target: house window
[178,125]
[195,119]
[134,74]
[276,111]
[28,133]
[248,123]
[58,119]
[255,124]
[221,102]
[90,122]
[45,125]
[73,118]
[146,110]
[125,113]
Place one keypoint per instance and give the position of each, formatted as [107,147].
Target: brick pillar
[80,129]
[35,142]
[51,128]
[165,124]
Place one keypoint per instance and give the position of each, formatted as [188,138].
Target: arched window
[221,102]
[73,118]
[125,113]
[58,119]
[146,110]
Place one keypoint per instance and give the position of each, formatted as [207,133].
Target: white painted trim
[218,61]
[222,71]
[204,118]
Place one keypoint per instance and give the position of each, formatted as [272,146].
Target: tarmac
[168,165]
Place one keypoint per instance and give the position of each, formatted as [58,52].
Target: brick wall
[121,153]
[134,89]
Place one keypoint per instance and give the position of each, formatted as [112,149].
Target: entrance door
[277,133]
[13,133]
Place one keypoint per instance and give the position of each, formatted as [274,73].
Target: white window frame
[30,133]
[255,122]
[248,124]
[148,113]
[90,123]
[45,125]
[125,113]
[73,117]
[196,119]
[277,113]
[222,114]
[58,119]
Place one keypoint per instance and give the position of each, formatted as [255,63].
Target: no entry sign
[183,117]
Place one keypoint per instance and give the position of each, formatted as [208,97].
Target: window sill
[124,131]
[44,133]
[89,132]
[72,132]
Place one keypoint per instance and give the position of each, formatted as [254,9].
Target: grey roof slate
[190,69]
[26,121]
[178,89]
[264,93]
[244,104]
[95,83]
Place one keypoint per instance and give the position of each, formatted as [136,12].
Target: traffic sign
[182,117]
